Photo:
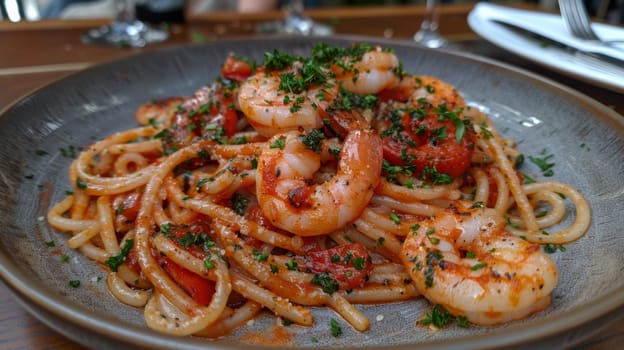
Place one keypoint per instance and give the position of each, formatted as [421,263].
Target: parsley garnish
[209,264]
[544,164]
[328,284]
[277,60]
[527,179]
[438,316]
[278,143]
[260,255]
[239,203]
[292,265]
[552,248]
[336,330]
[395,218]
[433,258]
[74,283]
[81,184]
[115,261]
[478,266]
[313,140]
[477,204]
[359,263]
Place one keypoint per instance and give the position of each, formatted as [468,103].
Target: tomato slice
[429,143]
[230,119]
[130,206]
[236,69]
[200,289]
[348,264]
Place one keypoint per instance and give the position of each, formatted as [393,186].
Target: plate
[586,137]
[484,20]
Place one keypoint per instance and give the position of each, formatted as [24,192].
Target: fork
[577,22]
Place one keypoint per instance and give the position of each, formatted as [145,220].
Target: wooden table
[35,54]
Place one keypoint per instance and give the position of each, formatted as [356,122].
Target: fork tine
[576,19]
[586,21]
[567,14]
[583,19]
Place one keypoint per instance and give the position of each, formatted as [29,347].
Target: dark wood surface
[33,55]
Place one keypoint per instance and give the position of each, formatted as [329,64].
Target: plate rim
[28,286]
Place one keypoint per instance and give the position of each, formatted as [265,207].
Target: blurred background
[33,10]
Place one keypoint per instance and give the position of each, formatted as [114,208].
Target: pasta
[320,181]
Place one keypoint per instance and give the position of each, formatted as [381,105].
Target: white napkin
[552,27]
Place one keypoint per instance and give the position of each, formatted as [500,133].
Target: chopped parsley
[544,163]
[81,184]
[477,205]
[336,330]
[165,228]
[326,282]
[239,203]
[359,263]
[435,177]
[278,60]
[478,266]
[313,140]
[292,265]
[527,179]
[278,143]
[70,152]
[433,258]
[209,264]
[395,218]
[115,261]
[259,255]
[440,317]
[552,248]
[74,283]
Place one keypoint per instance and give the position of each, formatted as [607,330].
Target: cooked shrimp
[415,89]
[291,200]
[271,110]
[375,71]
[464,260]
[437,92]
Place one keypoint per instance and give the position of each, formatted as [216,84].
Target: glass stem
[124,12]
[294,8]
[430,22]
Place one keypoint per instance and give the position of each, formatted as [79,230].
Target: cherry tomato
[236,69]
[130,206]
[348,264]
[200,289]
[430,143]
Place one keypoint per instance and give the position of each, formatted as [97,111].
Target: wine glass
[428,34]
[125,30]
[295,22]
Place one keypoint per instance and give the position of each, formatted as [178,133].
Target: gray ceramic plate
[586,138]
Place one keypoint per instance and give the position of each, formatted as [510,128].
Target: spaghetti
[307,182]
